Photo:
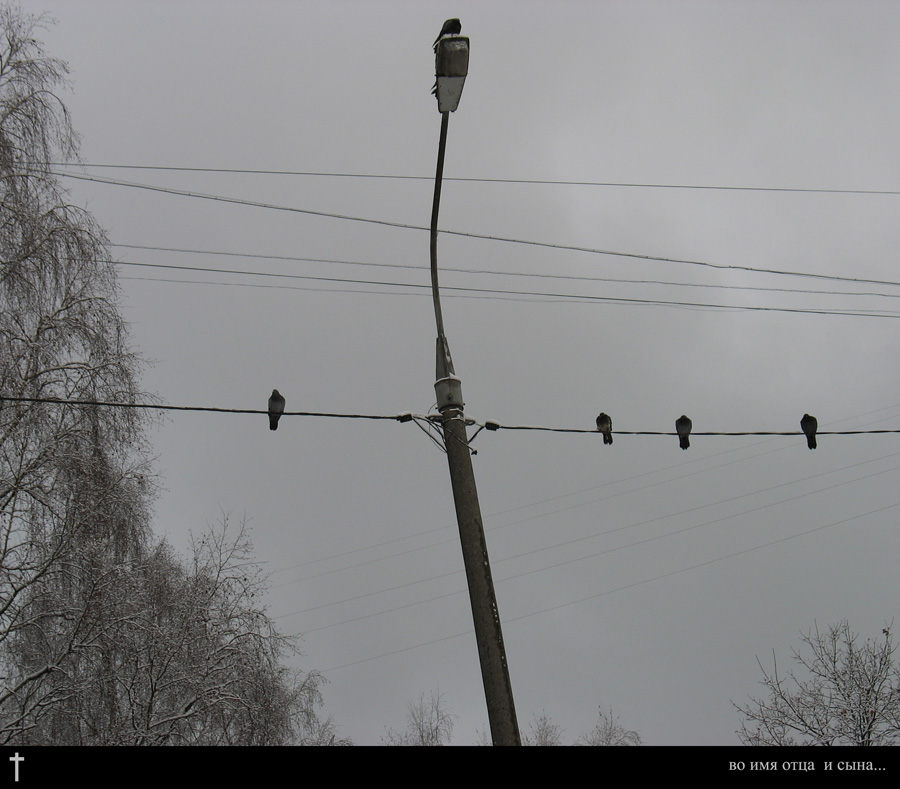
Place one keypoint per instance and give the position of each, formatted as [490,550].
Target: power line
[406,416]
[497,426]
[169,280]
[537,502]
[540,516]
[270,274]
[711,561]
[460,233]
[539,181]
[546,514]
[630,585]
[582,557]
[549,298]
[692,527]
[572,297]
[567,296]
[516,509]
[579,278]
[236,201]
[557,545]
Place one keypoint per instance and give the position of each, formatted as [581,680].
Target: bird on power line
[809,425]
[452,27]
[276,409]
[683,427]
[604,425]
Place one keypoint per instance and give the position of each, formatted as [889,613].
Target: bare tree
[233,674]
[846,693]
[543,731]
[105,636]
[175,654]
[608,731]
[427,723]
[71,478]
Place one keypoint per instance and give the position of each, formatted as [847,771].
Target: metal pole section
[485,614]
[438,180]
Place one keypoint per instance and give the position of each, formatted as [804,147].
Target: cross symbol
[17,759]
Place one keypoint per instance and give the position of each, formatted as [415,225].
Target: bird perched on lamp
[809,425]
[604,425]
[276,409]
[683,427]
[452,27]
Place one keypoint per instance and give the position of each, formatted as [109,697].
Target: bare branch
[844,693]
[428,723]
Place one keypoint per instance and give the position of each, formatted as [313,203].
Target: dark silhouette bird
[604,425]
[276,409]
[683,427]
[809,425]
[451,27]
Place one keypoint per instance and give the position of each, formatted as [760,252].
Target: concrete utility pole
[451,65]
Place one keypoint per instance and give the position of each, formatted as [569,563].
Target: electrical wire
[711,561]
[485,292]
[547,182]
[491,529]
[519,507]
[525,427]
[157,406]
[567,277]
[583,556]
[503,239]
[544,515]
[406,417]
[693,432]
[170,281]
[541,515]
[692,527]
[625,586]
[549,299]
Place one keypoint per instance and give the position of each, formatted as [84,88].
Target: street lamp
[451,67]
[451,64]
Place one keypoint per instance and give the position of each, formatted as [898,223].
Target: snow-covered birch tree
[70,477]
[841,691]
[106,637]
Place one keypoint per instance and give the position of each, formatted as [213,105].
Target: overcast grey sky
[637,576]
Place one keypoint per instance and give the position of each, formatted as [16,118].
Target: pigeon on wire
[604,425]
[276,409]
[451,27]
[683,428]
[809,425]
